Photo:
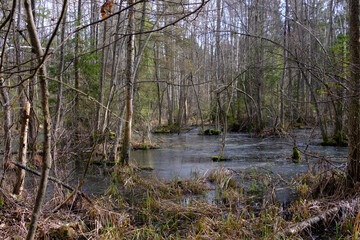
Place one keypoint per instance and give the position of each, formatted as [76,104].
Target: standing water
[182,155]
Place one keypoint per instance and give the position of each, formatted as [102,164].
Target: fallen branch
[299,227]
[81,182]
[37,173]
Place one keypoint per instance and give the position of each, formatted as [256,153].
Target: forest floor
[135,207]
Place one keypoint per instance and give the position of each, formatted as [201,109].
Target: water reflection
[183,154]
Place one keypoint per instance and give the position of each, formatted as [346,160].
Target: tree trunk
[60,90]
[33,130]
[20,173]
[126,144]
[354,90]
[102,81]
[93,27]
[76,61]
[157,79]
[218,64]
[282,84]
[46,158]
[117,47]
[7,131]
[114,156]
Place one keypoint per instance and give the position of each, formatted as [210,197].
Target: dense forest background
[252,64]
[83,72]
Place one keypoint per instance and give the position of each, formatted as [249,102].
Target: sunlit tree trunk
[102,80]
[59,97]
[218,63]
[116,53]
[130,59]
[20,173]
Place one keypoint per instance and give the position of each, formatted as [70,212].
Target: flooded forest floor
[259,193]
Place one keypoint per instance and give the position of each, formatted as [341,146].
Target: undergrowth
[137,206]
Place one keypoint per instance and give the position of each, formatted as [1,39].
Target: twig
[81,182]
[37,173]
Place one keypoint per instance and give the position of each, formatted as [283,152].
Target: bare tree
[46,161]
[130,77]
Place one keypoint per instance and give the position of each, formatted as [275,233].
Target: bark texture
[125,151]
[354,106]
[20,173]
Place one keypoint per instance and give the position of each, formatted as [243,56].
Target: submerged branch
[58,181]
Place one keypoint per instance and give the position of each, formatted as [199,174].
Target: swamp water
[188,154]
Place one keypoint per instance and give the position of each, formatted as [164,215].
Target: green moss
[102,162]
[216,158]
[141,147]
[144,146]
[336,140]
[212,132]
[216,132]
[147,168]
[165,129]
[329,142]
[339,139]
[112,135]
[296,157]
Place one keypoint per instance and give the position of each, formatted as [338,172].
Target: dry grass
[137,207]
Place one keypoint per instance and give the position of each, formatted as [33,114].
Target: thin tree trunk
[76,59]
[114,72]
[157,78]
[93,27]
[6,102]
[20,173]
[126,144]
[46,161]
[7,131]
[218,62]
[282,92]
[102,80]
[33,130]
[114,153]
[181,103]
[198,103]
[60,90]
